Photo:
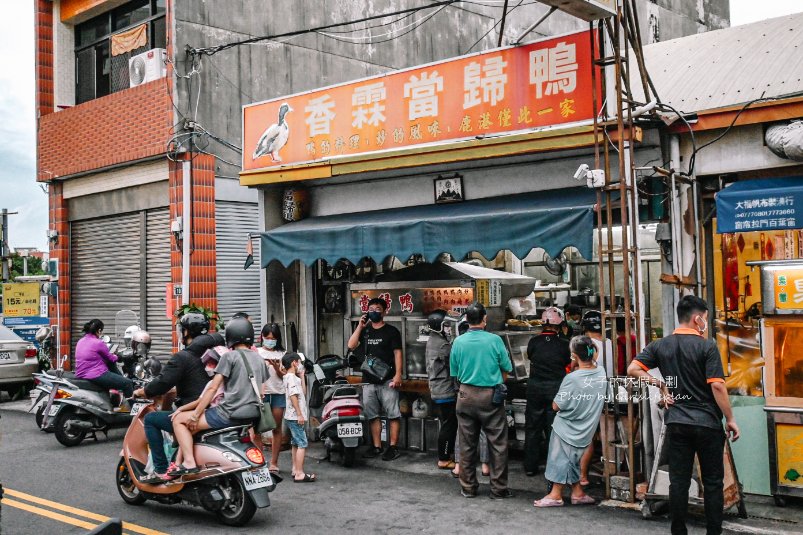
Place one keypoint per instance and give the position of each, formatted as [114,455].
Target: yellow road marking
[50,514]
[76,511]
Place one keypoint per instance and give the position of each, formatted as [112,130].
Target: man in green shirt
[480,362]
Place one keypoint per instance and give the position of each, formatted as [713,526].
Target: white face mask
[269,343]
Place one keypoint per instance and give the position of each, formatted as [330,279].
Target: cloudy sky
[18,189]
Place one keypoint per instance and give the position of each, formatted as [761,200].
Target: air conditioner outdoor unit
[148,66]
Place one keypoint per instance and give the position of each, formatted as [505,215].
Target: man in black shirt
[696,400]
[382,341]
[549,355]
[186,373]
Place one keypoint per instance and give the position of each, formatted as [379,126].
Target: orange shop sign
[789,288]
[500,91]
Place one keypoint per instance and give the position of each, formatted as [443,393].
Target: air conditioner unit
[148,66]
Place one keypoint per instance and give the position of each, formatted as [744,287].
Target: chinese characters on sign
[21,299]
[789,289]
[505,90]
[767,213]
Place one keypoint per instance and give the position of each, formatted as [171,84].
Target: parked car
[18,362]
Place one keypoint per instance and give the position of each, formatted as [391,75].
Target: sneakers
[372,453]
[391,453]
[505,494]
[468,493]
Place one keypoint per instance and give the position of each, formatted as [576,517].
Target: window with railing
[105,43]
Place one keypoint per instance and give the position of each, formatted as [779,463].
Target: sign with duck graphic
[505,90]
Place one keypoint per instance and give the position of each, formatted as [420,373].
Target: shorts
[298,436]
[563,461]
[277,401]
[378,399]
[216,419]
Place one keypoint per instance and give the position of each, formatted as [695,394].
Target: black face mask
[375,316]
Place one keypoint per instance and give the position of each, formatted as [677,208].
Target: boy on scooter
[296,416]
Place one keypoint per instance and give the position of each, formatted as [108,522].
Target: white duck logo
[275,137]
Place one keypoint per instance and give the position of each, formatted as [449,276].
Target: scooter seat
[85,384]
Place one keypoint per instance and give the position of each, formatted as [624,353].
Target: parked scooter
[233,483]
[342,422]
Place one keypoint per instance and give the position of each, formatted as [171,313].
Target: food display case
[782,349]
[412,293]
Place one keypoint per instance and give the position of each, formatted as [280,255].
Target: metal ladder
[618,203]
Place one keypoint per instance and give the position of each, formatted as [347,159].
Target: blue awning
[771,204]
[552,220]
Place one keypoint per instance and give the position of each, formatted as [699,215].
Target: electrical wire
[415,26]
[209,51]
[492,28]
[415,23]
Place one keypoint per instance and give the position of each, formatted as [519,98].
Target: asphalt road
[53,489]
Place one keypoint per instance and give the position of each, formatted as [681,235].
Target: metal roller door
[105,270]
[237,290]
[157,247]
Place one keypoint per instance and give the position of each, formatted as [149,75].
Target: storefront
[466,195]
[760,318]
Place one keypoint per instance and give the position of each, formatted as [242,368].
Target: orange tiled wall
[60,310]
[203,286]
[125,126]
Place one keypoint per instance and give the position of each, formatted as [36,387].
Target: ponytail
[93,326]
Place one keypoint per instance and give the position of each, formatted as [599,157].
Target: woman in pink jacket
[94,362]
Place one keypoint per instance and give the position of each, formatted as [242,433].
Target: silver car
[17,362]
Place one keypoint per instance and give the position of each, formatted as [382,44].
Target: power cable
[492,28]
[415,25]
[209,51]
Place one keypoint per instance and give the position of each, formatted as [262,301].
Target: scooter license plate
[136,407]
[349,430]
[256,479]
[54,410]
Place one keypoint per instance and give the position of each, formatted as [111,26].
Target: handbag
[376,368]
[266,421]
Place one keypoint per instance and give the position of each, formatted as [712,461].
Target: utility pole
[5,252]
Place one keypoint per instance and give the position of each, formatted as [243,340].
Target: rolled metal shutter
[157,270]
[237,289]
[104,269]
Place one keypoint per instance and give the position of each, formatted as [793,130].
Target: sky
[19,191]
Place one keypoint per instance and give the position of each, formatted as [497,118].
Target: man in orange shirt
[694,391]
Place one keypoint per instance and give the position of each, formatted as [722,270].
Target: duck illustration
[275,137]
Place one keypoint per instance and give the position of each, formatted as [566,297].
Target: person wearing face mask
[272,351]
[696,402]
[379,340]
[442,386]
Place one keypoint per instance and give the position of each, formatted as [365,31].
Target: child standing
[296,416]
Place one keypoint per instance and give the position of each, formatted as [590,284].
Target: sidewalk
[764,518]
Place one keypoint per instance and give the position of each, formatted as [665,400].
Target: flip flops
[585,499]
[548,502]
[308,478]
[448,466]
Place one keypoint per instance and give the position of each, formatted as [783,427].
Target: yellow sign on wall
[21,299]
[789,442]
[789,288]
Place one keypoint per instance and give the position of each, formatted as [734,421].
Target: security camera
[582,172]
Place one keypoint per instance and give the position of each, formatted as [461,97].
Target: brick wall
[60,310]
[44,56]
[125,126]
[203,271]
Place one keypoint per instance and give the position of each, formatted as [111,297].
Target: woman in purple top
[94,362]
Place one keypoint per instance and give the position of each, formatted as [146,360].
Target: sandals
[158,479]
[585,499]
[547,502]
[448,466]
[308,478]
[182,470]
